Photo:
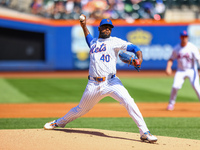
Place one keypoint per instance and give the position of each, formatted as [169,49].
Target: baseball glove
[130,60]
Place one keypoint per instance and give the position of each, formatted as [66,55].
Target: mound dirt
[87,139]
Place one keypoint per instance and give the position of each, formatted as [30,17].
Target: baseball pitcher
[102,79]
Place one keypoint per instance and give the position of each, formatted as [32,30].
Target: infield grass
[172,127]
[71,90]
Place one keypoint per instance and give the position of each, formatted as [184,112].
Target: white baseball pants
[179,79]
[95,91]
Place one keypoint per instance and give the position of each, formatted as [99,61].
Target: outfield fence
[43,44]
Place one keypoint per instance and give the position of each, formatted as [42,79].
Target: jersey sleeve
[173,56]
[132,48]
[196,54]
[89,38]
[120,44]
[174,53]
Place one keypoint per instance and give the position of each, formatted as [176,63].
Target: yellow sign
[139,37]
[82,55]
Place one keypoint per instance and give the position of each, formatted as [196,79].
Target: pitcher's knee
[128,104]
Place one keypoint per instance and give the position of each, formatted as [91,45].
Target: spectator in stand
[147,11]
[119,7]
[160,8]
[59,9]
[48,9]
[4,3]
[115,9]
[72,9]
[95,8]
[37,7]
[77,9]
[110,11]
[69,6]
[131,8]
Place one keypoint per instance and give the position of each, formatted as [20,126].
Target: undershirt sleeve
[133,48]
[89,38]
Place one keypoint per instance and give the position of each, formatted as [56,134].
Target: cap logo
[184,32]
[106,22]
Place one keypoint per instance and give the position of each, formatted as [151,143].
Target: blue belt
[100,79]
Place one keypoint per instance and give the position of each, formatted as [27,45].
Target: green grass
[71,90]
[172,127]
[158,90]
[43,90]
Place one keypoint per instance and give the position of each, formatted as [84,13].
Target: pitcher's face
[105,31]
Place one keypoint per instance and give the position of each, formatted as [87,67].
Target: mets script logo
[186,56]
[95,49]
[139,37]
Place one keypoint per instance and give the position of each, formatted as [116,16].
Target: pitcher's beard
[104,36]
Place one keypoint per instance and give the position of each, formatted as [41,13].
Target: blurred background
[46,35]
[114,9]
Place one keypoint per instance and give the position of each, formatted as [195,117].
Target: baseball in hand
[82,18]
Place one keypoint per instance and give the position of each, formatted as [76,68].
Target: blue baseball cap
[106,22]
[184,33]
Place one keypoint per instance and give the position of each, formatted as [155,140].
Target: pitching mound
[87,139]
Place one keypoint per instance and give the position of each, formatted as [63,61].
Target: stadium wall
[33,45]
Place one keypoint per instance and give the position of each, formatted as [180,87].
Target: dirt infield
[99,110]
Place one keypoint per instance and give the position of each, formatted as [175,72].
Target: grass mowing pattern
[49,90]
[8,93]
[71,90]
[157,90]
[172,127]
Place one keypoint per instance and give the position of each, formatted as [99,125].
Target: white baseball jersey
[103,59]
[104,54]
[186,56]
[187,68]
